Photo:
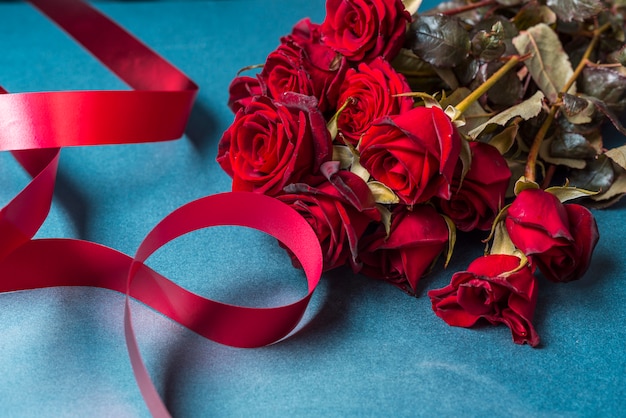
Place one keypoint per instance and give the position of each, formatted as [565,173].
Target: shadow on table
[201,129]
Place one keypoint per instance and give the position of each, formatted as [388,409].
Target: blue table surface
[364,348]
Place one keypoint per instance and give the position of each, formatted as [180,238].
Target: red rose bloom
[483,291]
[416,239]
[479,197]
[414,153]
[271,144]
[302,64]
[283,72]
[339,210]
[372,88]
[362,30]
[559,238]
[241,91]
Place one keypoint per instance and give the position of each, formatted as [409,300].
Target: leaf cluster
[573,55]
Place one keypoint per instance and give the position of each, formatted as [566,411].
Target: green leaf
[455,115]
[527,109]
[579,10]
[578,110]
[507,91]
[382,193]
[412,5]
[466,159]
[504,140]
[597,175]
[344,155]
[502,243]
[620,56]
[409,64]
[602,107]
[523,183]
[451,239]
[618,155]
[605,84]
[439,40]
[385,218]
[358,169]
[567,193]
[545,153]
[429,101]
[474,115]
[508,32]
[615,191]
[549,64]
[533,14]
[517,169]
[571,145]
[489,45]
[331,125]
[509,2]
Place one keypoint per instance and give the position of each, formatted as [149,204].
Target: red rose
[416,239]
[362,30]
[283,72]
[303,64]
[271,144]
[241,91]
[372,88]
[414,153]
[483,291]
[559,238]
[325,66]
[339,210]
[479,197]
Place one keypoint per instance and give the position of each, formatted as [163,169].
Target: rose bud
[372,88]
[271,144]
[478,198]
[364,30]
[416,239]
[414,154]
[485,291]
[558,238]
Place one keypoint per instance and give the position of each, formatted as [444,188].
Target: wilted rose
[362,30]
[271,144]
[494,288]
[415,240]
[414,153]
[558,238]
[478,198]
[372,89]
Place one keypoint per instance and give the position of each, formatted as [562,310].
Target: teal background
[364,348]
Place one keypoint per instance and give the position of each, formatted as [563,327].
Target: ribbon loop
[34,126]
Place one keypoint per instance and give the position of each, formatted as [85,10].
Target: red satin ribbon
[35,125]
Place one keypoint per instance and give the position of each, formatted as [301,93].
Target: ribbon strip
[34,126]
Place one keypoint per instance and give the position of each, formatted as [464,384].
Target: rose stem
[482,89]
[530,170]
[548,178]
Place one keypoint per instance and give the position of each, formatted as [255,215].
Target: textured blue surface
[364,349]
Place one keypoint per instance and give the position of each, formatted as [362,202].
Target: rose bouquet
[389,130]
